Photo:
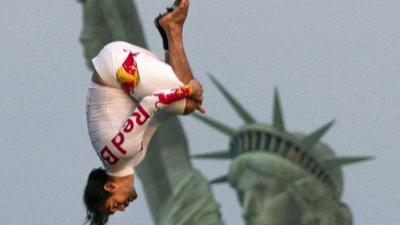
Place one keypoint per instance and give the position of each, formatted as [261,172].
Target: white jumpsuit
[119,128]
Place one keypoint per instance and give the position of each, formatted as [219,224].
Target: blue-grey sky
[330,59]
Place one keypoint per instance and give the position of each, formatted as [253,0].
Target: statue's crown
[303,150]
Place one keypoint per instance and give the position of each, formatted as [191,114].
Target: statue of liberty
[280,177]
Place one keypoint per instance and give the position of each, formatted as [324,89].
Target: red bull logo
[173,95]
[127,74]
[110,153]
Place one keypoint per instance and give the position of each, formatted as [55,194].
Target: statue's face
[266,201]
[275,191]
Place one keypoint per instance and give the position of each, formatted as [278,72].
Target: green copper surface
[105,21]
[284,177]
[215,124]
[247,118]
[315,136]
[277,120]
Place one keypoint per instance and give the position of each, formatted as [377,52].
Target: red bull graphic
[127,74]
[113,151]
[167,98]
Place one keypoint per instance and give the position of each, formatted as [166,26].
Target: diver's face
[265,201]
[122,193]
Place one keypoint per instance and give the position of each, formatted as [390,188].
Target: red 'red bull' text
[107,155]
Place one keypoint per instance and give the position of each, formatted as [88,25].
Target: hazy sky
[330,59]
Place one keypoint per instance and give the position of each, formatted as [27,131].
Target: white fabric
[154,74]
[108,110]
[109,107]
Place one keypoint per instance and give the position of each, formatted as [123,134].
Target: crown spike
[219,180]
[277,120]
[331,162]
[215,124]
[214,155]
[315,136]
[246,117]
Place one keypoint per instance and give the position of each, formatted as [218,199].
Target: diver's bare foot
[174,19]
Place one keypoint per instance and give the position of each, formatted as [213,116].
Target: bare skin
[172,23]
[122,193]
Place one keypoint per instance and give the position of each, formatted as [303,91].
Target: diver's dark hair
[95,196]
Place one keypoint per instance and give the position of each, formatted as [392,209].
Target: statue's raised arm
[105,21]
